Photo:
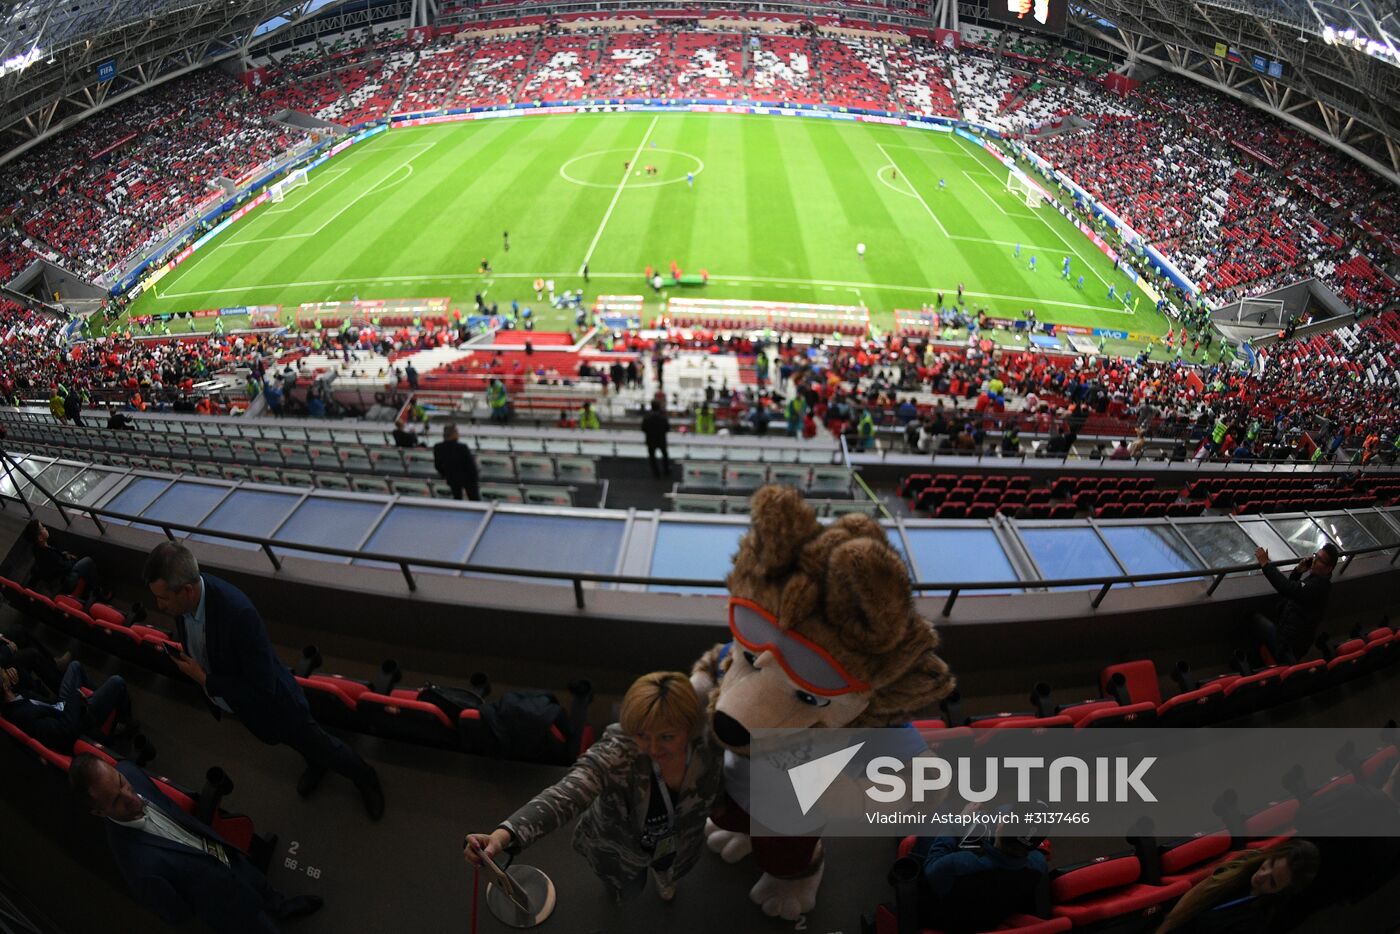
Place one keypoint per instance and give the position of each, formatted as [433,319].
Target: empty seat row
[1250,505]
[718,504]
[729,476]
[1149,510]
[912,485]
[1131,694]
[537,468]
[123,450]
[44,429]
[461,720]
[1009,507]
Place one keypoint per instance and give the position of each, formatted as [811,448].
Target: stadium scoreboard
[1041,15]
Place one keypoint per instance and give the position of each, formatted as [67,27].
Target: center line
[617,194]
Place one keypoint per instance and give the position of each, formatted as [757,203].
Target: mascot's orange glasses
[805,662]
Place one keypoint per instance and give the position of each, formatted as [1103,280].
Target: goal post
[1021,187]
[280,188]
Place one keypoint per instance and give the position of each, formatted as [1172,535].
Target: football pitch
[775,211]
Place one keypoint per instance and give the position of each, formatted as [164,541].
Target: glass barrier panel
[953,554]
[1069,552]
[50,480]
[133,498]
[1150,549]
[1346,531]
[694,549]
[551,543]
[1382,531]
[1263,534]
[248,512]
[82,490]
[331,522]
[186,503]
[1221,544]
[1301,533]
[439,533]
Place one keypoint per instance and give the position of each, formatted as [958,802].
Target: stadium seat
[419,463]
[535,468]
[1108,889]
[495,467]
[548,496]
[501,493]
[828,481]
[792,475]
[400,715]
[1113,714]
[705,505]
[1193,859]
[401,487]
[887,923]
[576,469]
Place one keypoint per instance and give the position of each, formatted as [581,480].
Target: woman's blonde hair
[662,700]
[1231,880]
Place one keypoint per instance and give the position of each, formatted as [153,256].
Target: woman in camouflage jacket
[644,789]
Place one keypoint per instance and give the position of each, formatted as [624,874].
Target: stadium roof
[61,59]
[1332,65]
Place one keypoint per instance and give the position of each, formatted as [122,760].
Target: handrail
[578,578]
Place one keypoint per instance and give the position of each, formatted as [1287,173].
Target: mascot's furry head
[825,631]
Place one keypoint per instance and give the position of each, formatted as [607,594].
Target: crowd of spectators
[1236,213]
[1323,398]
[1242,214]
[111,187]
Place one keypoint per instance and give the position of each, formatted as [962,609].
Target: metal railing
[577,579]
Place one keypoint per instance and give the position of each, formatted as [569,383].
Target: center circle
[603,167]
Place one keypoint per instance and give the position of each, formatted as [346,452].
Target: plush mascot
[825,635]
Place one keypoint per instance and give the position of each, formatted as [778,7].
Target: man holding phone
[1289,635]
[227,653]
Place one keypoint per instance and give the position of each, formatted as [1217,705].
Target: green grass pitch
[775,212]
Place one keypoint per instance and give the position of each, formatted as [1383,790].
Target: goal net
[1021,187]
[281,187]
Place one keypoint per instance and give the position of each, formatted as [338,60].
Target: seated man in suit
[230,657]
[40,674]
[59,724]
[174,864]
